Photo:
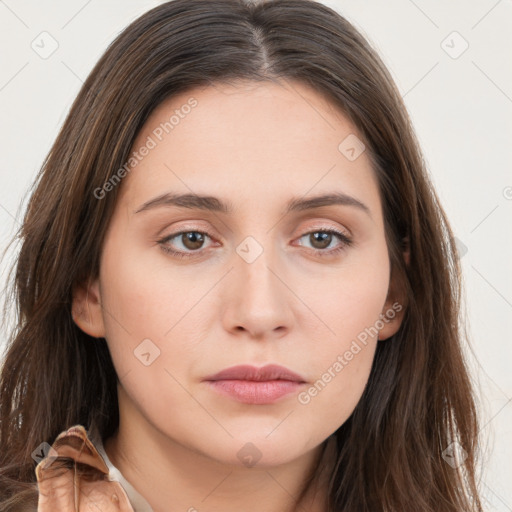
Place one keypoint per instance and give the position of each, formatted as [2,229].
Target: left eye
[321,239]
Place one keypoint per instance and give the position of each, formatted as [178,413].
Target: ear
[86,309]
[396,302]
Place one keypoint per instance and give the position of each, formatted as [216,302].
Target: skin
[255,146]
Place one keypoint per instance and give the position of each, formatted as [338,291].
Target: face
[257,274]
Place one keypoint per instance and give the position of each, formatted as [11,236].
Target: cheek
[151,324]
[343,356]
[331,398]
[145,299]
[350,298]
[130,302]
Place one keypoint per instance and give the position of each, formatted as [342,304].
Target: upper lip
[265,373]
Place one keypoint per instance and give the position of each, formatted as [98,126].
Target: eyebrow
[214,204]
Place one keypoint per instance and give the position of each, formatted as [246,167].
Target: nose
[258,299]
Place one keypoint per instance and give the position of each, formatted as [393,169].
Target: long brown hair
[418,400]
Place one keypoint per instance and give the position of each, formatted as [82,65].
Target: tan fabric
[74,477]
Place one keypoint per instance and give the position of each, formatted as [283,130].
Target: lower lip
[256,392]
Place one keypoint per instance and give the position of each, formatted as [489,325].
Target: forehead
[246,139]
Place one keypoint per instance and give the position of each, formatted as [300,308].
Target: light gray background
[461,106]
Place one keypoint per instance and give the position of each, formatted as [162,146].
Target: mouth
[252,385]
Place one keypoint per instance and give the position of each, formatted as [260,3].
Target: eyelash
[346,242]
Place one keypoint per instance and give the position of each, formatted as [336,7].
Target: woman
[236,287]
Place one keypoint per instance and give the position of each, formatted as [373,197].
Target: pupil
[323,238]
[193,240]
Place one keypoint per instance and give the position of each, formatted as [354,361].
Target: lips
[269,372]
[256,386]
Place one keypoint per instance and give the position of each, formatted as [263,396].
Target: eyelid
[327,225]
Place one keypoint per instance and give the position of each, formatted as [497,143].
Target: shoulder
[74,456]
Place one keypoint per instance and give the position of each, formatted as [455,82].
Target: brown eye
[320,239]
[184,243]
[192,239]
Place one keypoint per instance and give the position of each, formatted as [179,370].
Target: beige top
[87,481]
